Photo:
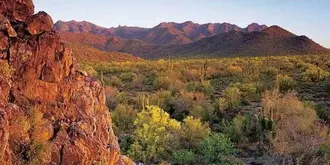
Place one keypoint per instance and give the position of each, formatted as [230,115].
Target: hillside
[165,33]
[271,41]
[85,53]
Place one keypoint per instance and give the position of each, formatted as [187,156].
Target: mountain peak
[277,31]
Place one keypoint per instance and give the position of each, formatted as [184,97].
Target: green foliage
[322,112]
[286,83]
[123,117]
[204,87]
[162,83]
[216,148]
[236,129]
[184,157]
[193,132]
[315,74]
[155,135]
[203,110]
[232,98]
[87,68]
[127,77]
[114,81]
[248,91]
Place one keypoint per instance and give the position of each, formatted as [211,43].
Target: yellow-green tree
[155,135]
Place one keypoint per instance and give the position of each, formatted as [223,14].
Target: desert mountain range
[189,39]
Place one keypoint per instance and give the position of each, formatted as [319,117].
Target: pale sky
[302,17]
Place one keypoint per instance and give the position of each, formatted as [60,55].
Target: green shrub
[127,77]
[216,148]
[123,117]
[286,83]
[162,83]
[193,132]
[114,81]
[231,98]
[236,129]
[184,157]
[203,110]
[322,112]
[87,68]
[248,91]
[315,74]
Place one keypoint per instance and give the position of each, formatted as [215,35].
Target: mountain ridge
[165,33]
[220,40]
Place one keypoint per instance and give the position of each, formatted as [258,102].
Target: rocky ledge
[50,113]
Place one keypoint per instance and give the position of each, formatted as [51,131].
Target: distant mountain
[190,39]
[166,33]
[271,41]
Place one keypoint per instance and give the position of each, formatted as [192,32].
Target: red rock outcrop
[50,113]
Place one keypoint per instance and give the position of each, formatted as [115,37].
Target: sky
[302,17]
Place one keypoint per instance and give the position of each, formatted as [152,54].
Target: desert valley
[76,93]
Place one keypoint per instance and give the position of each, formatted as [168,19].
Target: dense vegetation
[261,110]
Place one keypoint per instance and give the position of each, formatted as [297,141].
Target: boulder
[39,23]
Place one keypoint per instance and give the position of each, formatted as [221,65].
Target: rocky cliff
[50,113]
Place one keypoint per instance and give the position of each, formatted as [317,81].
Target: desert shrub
[204,87]
[121,98]
[137,81]
[154,136]
[236,129]
[113,81]
[123,118]
[190,75]
[127,77]
[179,108]
[322,112]
[162,83]
[88,68]
[231,98]
[161,99]
[207,88]
[39,148]
[286,83]
[216,148]
[315,74]
[125,143]
[194,131]
[248,91]
[234,70]
[295,125]
[203,110]
[184,157]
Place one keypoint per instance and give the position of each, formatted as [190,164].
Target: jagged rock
[17,10]
[4,137]
[6,26]
[39,23]
[4,42]
[44,100]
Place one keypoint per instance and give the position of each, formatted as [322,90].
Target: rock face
[50,113]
